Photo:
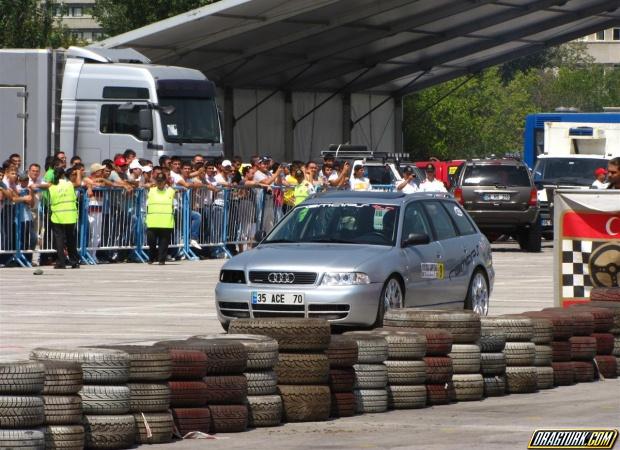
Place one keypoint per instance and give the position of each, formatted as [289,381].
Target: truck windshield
[570,171]
[193,120]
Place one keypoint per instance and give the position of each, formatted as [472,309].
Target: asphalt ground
[138,303]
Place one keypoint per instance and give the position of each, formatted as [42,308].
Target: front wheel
[478,294]
[392,296]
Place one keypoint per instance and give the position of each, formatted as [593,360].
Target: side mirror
[260,235]
[416,239]
[145,122]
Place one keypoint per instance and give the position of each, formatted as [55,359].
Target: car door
[420,260]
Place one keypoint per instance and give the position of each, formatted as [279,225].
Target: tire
[371,349]
[584,371]
[62,378]
[229,418]
[99,366]
[146,363]
[262,351]
[188,364]
[437,394]
[100,400]
[544,356]
[21,411]
[62,409]
[521,354]
[544,377]
[342,380]
[406,397]
[494,386]
[305,403]
[406,373]
[582,348]
[465,358]
[403,345]
[543,330]
[492,364]
[223,357]
[463,325]
[533,239]
[521,380]
[615,310]
[302,368]
[468,387]
[607,366]
[22,439]
[343,404]
[371,400]
[187,394]
[192,419]
[109,432]
[492,340]
[563,373]
[603,317]
[604,343]
[438,342]
[438,369]
[583,321]
[262,383]
[342,352]
[226,389]
[560,351]
[477,299]
[21,377]
[602,294]
[392,297]
[64,437]
[160,427]
[291,334]
[264,411]
[562,326]
[616,350]
[515,328]
[370,376]
[149,397]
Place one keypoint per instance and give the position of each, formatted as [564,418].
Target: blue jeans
[195,219]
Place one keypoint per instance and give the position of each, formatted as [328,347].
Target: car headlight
[345,278]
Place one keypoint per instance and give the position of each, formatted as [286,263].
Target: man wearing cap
[431,184]
[64,215]
[159,219]
[358,181]
[134,173]
[262,175]
[120,164]
[599,179]
[407,185]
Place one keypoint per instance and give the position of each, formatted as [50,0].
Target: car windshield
[571,171]
[193,120]
[496,175]
[340,223]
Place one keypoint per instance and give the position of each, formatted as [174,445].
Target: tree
[120,16]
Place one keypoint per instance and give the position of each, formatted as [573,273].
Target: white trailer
[568,138]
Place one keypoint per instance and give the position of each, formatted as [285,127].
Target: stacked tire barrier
[22,410]
[492,358]
[371,374]
[303,366]
[467,380]
[342,354]
[105,395]
[542,338]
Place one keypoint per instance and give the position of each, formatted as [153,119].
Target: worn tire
[262,383]
[406,373]
[342,380]
[584,371]
[370,400]
[604,343]
[370,376]
[406,397]
[603,294]
[64,437]
[341,352]
[560,351]
[583,320]
[543,330]
[495,386]
[544,377]
[561,325]
[302,368]
[520,354]
[465,358]
[223,357]
[515,328]
[291,334]
[100,400]
[439,369]
[615,309]
[607,365]
[188,394]
[371,348]
[62,409]
[563,373]
[22,439]
[21,377]
[603,317]
[438,342]
[264,411]
[109,432]
[226,389]
[62,378]
[463,325]
[18,411]
[468,387]
[161,426]
[521,380]
[305,403]
[229,418]
[99,366]
[492,364]
[192,419]
[262,350]
[403,345]
[188,364]
[149,397]
[146,362]
[343,404]
[544,356]
[437,394]
[492,340]
[582,348]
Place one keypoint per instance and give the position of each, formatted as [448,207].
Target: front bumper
[341,305]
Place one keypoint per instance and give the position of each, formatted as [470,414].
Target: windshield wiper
[333,241]
[280,241]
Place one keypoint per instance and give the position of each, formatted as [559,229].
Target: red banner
[577,224]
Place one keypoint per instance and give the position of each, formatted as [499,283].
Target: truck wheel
[534,237]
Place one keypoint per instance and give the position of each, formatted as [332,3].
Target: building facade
[77,17]
[604,46]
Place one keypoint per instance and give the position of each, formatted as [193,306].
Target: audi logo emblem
[281,277]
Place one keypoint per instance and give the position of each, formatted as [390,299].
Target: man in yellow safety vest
[159,219]
[64,217]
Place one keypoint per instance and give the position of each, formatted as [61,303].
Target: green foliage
[120,16]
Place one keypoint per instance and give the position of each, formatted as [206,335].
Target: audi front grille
[282,277]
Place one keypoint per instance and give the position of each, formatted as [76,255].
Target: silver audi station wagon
[349,256]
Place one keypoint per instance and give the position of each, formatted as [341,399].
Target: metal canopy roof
[388,46]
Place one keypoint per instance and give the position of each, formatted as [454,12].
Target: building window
[77,34]
[616,34]
[75,11]
[600,35]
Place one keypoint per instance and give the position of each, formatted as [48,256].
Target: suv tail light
[533,197]
[458,196]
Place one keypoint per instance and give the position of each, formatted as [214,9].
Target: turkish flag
[591,225]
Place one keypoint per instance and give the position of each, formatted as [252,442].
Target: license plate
[496,196]
[546,222]
[277,298]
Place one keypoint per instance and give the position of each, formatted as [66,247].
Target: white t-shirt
[409,188]
[599,184]
[360,184]
[220,179]
[432,186]
[260,176]
[176,177]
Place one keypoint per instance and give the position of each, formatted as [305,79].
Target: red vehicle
[444,170]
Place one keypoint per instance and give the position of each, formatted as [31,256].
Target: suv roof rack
[348,151]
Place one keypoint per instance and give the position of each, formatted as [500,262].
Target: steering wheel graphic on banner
[605,266]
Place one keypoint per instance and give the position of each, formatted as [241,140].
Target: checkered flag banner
[576,282]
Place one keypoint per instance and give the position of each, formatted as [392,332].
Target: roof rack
[348,151]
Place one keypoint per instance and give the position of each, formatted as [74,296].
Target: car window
[415,221]
[379,174]
[460,218]
[496,174]
[440,220]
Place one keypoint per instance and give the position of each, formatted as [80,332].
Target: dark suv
[501,197]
